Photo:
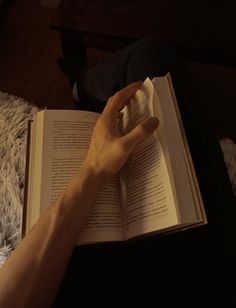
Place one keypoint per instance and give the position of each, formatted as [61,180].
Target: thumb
[140,132]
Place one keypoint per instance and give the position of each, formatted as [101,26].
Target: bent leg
[149,57]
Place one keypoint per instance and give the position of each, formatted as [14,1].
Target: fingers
[120,115]
[140,132]
[121,98]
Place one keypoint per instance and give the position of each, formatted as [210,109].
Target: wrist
[82,190]
[98,175]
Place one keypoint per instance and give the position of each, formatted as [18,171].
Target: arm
[32,275]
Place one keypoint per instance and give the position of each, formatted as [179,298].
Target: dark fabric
[185,268]
[133,63]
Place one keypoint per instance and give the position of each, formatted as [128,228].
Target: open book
[155,191]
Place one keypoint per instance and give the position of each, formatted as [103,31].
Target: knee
[158,45]
[156,54]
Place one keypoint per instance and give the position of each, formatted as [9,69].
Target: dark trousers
[194,264]
[148,57]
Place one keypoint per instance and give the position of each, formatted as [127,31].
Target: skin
[44,253]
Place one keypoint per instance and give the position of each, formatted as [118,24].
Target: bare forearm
[33,273]
[37,266]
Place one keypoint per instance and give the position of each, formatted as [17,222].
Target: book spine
[26,188]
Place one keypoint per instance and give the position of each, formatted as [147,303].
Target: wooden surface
[201,30]
[28,56]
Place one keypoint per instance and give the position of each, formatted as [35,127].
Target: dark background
[187,269]
[203,31]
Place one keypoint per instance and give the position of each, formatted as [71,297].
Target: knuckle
[110,99]
[125,144]
[140,130]
[122,147]
[117,95]
[103,118]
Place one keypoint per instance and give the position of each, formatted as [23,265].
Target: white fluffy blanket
[14,116]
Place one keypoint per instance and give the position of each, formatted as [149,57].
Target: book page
[147,200]
[66,139]
[174,143]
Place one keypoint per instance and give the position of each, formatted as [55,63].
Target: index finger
[121,98]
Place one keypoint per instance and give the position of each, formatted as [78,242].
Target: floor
[29,50]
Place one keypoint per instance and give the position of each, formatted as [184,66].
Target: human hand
[108,150]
